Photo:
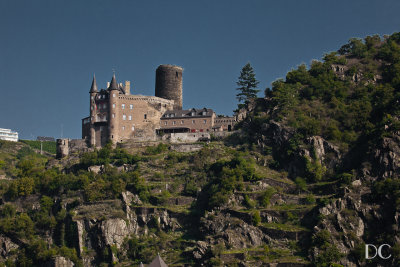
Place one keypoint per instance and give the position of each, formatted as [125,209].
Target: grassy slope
[48,146]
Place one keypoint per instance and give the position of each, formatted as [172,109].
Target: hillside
[305,180]
[338,122]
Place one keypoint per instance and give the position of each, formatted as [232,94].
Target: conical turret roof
[157,262]
[113,83]
[93,88]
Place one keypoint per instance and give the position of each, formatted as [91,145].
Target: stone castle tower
[169,84]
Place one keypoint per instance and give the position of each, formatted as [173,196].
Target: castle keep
[117,115]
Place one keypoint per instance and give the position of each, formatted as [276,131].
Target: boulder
[114,231]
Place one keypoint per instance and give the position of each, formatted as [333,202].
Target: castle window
[165,123]
[123,106]
[124,117]
[113,105]
[91,107]
[123,128]
[182,122]
[92,97]
[113,115]
[113,95]
[130,117]
[205,121]
[133,128]
[145,116]
[193,122]
[174,122]
[130,106]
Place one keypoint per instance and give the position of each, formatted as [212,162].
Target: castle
[118,116]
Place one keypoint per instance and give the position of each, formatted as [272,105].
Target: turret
[113,110]
[169,84]
[93,92]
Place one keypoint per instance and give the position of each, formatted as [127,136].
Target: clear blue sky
[49,50]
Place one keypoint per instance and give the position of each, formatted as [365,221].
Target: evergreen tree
[247,85]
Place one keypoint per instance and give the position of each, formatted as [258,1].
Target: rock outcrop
[6,247]
[59,262]
[386,156]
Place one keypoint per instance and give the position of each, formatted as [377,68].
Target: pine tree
[247,85]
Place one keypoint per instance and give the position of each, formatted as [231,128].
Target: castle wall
[66,147]
[224,123]
[137,116]
[185,137]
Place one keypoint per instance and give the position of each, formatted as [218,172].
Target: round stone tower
[169,84]
[93,93]
[113,109]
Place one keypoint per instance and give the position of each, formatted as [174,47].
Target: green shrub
[266,196]
[154,150]
[256,218]
[162,199]
[314,170]
[321,238]
[21,187]
[190,188]
[310,199]
[328,256]
[301,184]
[346,178]
[248,202]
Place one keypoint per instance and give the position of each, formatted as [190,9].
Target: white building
[8,135]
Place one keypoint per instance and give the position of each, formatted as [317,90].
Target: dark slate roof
[113,84]
[157,262]
[93,88]
[204,112]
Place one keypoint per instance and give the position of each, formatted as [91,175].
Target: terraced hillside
[131,205]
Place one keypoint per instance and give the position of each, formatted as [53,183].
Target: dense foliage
[350,94]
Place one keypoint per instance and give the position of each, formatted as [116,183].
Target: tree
[247,85]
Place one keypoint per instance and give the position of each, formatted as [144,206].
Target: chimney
[127,87]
